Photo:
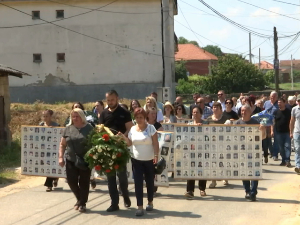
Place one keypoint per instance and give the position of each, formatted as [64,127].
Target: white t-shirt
[142,143]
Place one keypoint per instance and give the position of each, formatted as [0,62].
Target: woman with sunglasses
[229,113]
[180,112]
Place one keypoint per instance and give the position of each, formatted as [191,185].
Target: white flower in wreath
[111,163]
[113,156]
[95,156]
[101,160]
[108,149]
[99,150]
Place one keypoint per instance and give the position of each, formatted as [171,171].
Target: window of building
[60,57]
[60,14]
[37,57]
[35,15]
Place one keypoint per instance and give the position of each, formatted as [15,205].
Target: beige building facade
[77,50]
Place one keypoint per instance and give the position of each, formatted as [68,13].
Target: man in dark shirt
[195,97]
[246,119]
[118,120]
[281,131]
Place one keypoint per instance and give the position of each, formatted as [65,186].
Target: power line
[189,26]
[268,10]
[107,11]
[85,35]
[286,2]
[92,10]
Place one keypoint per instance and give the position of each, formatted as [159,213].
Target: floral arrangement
[106,152]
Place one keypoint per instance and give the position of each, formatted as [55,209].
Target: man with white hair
[271,106]
[291,102]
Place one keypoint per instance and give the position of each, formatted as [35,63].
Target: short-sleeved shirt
[270,108]
[142,145]
[251,121]
[231,115]
[296,114]
[75,140]
[115,120]
[220,121]
[282,120]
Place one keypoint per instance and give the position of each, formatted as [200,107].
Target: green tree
[183,40]
[180,71]
[185,87]
[213,49]
[234,75]
[270,77]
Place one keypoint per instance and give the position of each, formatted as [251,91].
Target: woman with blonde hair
[169,113]
[74,136]
[151,103]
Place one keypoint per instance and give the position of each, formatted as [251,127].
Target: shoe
[202,193]
[49,189]
[288,164]
[113,208]
[149,207]
[266,159]
[282,164]
[297,170]
[189,195]
[127,202]
[76,206]
[55,183]
[275,158]
[225,182]
[93,184]
[139,212]
[253,197]
[247,196]
[213,184]
[82,208]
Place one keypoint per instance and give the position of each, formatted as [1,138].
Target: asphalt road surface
[277,203]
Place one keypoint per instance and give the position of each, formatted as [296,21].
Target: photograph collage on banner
[39,151]
[165,140]
[218,152]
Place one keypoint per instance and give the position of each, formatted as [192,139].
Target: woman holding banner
[190,186]
[47,122]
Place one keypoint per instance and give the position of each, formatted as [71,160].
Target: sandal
[202,193]
[49,189]
[76,206]
[55,183]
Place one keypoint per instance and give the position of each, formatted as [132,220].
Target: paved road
[277,203]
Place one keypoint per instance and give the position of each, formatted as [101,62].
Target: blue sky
[216,31]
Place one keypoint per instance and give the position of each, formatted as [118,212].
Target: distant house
[285,67]
[265,66]
[198,61]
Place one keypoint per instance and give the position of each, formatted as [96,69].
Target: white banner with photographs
[218,152]
[39,151]
[166,143]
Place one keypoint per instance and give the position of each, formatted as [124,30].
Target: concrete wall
[89,62]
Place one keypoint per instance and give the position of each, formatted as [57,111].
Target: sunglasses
[227,103]
[220,94]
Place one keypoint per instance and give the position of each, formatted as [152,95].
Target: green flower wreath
[106,152]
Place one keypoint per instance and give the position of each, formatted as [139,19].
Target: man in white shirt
[295,133]
[222,99]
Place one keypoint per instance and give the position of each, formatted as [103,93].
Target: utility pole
[259,58]
[250,55]
[168,81]
[292,75]
[276,61]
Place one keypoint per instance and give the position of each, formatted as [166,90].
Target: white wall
[88,61]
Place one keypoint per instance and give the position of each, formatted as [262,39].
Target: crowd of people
[138,126]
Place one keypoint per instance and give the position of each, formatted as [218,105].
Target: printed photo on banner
[217,152]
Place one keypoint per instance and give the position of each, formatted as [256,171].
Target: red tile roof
[264,65]
[192,52]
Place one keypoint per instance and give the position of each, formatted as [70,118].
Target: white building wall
[88,61]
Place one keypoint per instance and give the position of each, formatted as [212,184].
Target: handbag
[160,166]
[80,163]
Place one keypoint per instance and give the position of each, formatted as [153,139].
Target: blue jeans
[253,189]
[275,146]
[297,149]
[284,144]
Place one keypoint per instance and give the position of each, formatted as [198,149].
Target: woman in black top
[229,113]
[151,118]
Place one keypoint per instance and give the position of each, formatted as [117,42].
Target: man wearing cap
[295,133]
